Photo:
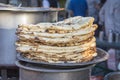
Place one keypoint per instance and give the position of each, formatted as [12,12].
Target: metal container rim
[52,70]
[110,74]
[30,9]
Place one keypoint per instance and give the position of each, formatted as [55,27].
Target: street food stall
[15,21]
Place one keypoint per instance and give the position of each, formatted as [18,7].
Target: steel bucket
[9,20]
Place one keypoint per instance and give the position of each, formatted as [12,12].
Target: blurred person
[54,3]
[49,3]
[66,8]
[24,3]
[93,9]
[45,4]
[110,16]
[66,4]
[14,2]
[77,7]
[102,2]
[33,3]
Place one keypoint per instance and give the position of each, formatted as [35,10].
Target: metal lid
[30,9]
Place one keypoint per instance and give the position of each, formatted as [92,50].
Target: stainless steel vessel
[112,76]
[9,20]
[37,72]
[52,71]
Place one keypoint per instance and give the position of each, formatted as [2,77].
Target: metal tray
[102,56]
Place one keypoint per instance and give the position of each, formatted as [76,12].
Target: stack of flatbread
[69,41]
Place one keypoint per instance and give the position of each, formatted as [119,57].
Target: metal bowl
[102,56]
[112,76]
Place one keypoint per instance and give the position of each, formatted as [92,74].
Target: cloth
[110,16]
[54,3]
[93,11]
[34,3]
[111,62]
[14,2]
[50,3]
[45,4]
[67,8]
[67,4]
[78,7]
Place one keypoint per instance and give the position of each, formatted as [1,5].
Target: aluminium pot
[32,72]
[112,76]
[9,19]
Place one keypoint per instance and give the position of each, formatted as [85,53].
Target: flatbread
[62,58]
[53,49]
[74,23]
[26,37]
[71,40]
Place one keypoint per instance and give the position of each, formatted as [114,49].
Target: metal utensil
[10,18]
[112,76]
[32,72]
[102,56]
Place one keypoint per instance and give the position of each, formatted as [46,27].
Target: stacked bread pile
[69,41]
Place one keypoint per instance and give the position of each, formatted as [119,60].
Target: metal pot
[31,72]
[112,76]
[9,20]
